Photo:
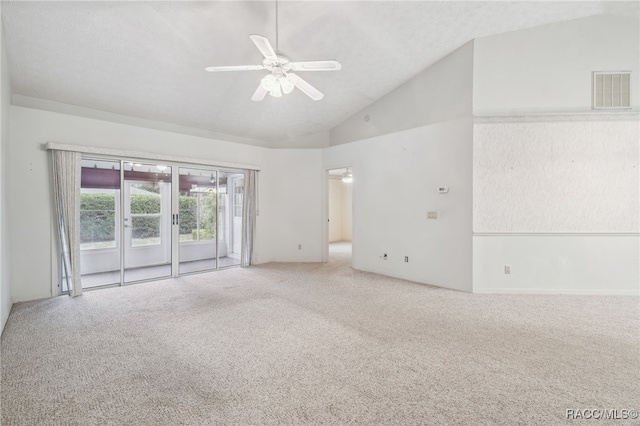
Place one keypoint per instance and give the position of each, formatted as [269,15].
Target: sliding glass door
[100,223]
[230,195]
[143,221]
[147,221]
[197,220]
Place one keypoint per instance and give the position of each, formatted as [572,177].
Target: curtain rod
[145,155]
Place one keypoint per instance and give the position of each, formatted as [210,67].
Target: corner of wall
[440,93]
[6,300]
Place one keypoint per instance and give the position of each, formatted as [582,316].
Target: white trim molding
[558,292]
[627,115]
[556,234]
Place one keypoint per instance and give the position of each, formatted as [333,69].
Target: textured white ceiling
[147,59]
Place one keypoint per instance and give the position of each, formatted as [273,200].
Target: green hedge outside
[97,216]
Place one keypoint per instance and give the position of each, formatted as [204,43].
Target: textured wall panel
[574,176]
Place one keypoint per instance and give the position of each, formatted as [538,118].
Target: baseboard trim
[557,234]
[573,292]
[295,260]
[408,278]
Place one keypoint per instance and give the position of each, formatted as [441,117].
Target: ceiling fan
[281,79]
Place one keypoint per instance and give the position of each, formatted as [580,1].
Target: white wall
[561,263]
[439,93]
[295,216]
[555,185]
[568,177]
[336,195]
[347,210]
[558,203]
[287,195]
[395,184]
[340,217]
[419,137]
[548,69]
[5,288]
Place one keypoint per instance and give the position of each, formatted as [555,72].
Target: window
[238,192]
[146,210]
[99,204]
[198,215]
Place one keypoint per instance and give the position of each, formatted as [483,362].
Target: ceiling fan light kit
[277,84]
[281,80]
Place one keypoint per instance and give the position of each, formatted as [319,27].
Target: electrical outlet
[299,246]
[507,269]
[406,259]
[432,215]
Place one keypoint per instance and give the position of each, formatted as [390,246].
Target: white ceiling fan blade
[259,94]
[305,87]
[264,46]
[315,66]
[235,68]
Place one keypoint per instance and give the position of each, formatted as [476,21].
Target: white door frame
[325,211]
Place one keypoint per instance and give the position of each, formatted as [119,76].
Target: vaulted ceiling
[147,59]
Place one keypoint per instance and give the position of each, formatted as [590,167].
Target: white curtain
[66,189]
[248,217]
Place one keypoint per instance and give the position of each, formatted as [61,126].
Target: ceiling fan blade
[264,46]
[235,68]
[315,66]
[305,87]
[259,94]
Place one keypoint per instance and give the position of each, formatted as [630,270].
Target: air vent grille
[611,90]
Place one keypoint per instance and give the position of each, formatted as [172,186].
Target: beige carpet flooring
[315,344]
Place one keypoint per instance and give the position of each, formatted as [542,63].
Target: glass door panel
[230,193]
[99,223]
[147,221]
[197,208]
[144,221]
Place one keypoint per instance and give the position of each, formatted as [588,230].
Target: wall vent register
[611,90]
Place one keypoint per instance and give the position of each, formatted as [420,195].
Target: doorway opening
[340,215]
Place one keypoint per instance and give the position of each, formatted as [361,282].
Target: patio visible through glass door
[230,198]
[100,219]
[147,221]
[198,210]
[143,221]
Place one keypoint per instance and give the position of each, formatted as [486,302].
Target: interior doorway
[340,214]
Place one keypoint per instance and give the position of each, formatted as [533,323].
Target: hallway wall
[340,205]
